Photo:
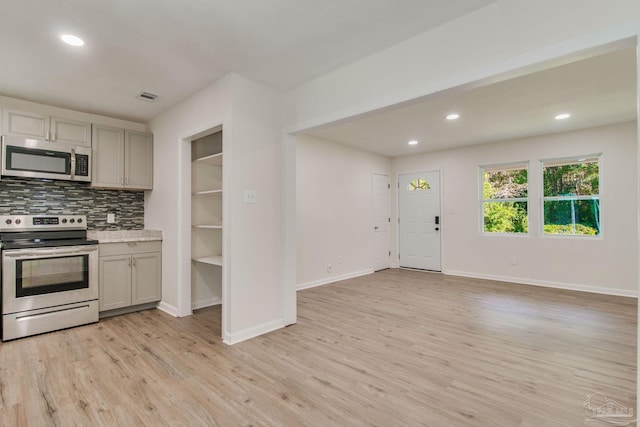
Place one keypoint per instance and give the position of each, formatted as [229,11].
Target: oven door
[47,277]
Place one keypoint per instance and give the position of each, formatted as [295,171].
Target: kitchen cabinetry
[122,159]
[130,274]
[50,128]
[206,220]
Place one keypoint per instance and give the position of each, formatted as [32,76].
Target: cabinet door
[115,281]
[146,278]
[138,160]
[70,131]
[108,157]
[21,123]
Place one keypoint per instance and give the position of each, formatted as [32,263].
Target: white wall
[334,197]
[167,206]
[250,116]
[256,238]
[607,264]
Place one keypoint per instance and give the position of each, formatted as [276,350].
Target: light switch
[250,196]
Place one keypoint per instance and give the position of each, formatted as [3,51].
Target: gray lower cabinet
[130,274]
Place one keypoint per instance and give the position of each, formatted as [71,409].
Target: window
[419,185]
[571,200]
[504,199]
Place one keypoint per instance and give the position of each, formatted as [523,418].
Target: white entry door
[381,222]
[419,217]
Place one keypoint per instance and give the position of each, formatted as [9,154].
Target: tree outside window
[505,199]
[571,196]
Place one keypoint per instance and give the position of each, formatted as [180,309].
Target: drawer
[107,249]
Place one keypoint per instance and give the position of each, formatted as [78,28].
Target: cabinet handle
[129,262]
[53,136]
[134,262]
[121,181]
[48,137]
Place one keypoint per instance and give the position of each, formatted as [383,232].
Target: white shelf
[208,193]
[212,160]
[212,260]
[209,226]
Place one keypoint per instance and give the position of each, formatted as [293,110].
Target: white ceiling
[175,48]
[596,91]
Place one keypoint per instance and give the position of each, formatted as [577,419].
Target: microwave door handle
[73,163]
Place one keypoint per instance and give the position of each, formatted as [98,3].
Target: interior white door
[419,220]
[381,222]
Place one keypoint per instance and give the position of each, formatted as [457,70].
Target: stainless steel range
[49,274]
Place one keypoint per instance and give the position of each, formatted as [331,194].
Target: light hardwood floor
[395,348]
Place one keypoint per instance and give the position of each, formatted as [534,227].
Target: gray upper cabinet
[70,131]
[138,160]
[122,159]
[108,157]
[55,129]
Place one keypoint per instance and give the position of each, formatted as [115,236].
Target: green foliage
[568,229]
[572,216]
[505,217]
[577,179]
[561,215]
[505,184]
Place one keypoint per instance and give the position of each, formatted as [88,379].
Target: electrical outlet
[250,196]
[329,268]
[111,218]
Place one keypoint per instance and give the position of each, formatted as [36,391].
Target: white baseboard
[332,279]
[547,284]
[253,332]
[205,303]
[169,309]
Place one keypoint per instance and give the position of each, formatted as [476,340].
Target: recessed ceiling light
[72,40]
[453,116]
[413,142]
[563,116]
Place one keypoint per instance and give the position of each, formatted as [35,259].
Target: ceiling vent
[147,96]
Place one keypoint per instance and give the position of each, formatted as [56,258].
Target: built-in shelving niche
[206,221]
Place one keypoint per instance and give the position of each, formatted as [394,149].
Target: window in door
[504,194]
[571,198]
[418,184]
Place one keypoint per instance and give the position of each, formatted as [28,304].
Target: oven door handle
[21,253]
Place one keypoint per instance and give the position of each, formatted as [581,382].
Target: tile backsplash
[41,197]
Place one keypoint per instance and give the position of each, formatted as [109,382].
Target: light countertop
[121,236]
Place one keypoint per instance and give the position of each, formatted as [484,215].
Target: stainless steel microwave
[33,158]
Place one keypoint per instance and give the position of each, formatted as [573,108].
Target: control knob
[8,221]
